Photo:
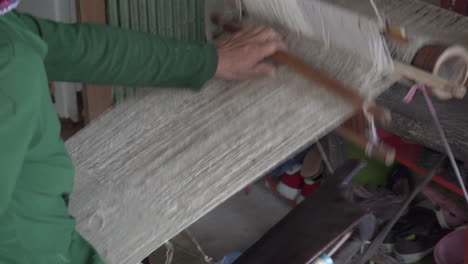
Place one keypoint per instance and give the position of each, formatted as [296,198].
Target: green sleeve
[14,135]
[108,55]
[13,152]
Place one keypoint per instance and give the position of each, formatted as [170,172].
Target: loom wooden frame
[96,98]
[88,17]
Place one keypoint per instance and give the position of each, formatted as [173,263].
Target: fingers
[268,34]
[260,34]
[255,31]
[241,55]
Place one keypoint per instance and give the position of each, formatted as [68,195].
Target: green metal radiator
[177,19]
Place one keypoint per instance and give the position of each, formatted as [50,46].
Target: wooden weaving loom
[155,164]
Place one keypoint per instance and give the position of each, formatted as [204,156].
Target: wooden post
[96,98]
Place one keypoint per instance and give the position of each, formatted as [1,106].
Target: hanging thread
[377,13]
[239,10]
[331,23]
[374,139]
[408,98]
[169,252]
[199,248]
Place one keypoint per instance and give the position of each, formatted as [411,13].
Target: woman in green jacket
[36,173]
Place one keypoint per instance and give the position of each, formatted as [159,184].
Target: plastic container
[450,249]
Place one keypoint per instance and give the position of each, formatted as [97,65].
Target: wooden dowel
[441,86]
[397,34]
[429,79]
[380,114]
[381,152]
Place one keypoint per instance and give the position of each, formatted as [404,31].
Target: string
[325,33]
[374,139]
[197,244]
[325,157]
[239,9]
[330,23]
[169,252]
[408,98]
[377,13]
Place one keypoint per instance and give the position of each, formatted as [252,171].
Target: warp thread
[169,253]
[199,247]
[240,10]
[377,13]
[332,24]
[408,98]
[424,24]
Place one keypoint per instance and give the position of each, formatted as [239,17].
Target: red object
[293,181]
[309,187]
[307,190]
[290,185]
[407,153]
[402,148]
[247,190]
[437,179]
[459,6]
[449,250]
[271,184]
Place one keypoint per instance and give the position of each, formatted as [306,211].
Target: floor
[236,224]
[240,221]
[434,2]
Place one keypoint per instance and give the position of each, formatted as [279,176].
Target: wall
[63,11]
[60,10]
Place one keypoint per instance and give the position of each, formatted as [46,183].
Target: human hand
[241,54]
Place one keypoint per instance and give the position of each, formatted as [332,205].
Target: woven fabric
[157,163]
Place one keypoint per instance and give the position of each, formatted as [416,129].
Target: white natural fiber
[155,164]
[424,24]
[355,24]
[169,252]
[333,23]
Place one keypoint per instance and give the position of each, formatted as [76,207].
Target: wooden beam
[96,98]
[326,215]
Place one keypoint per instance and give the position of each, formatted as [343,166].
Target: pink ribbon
[408,98]
[8,5]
